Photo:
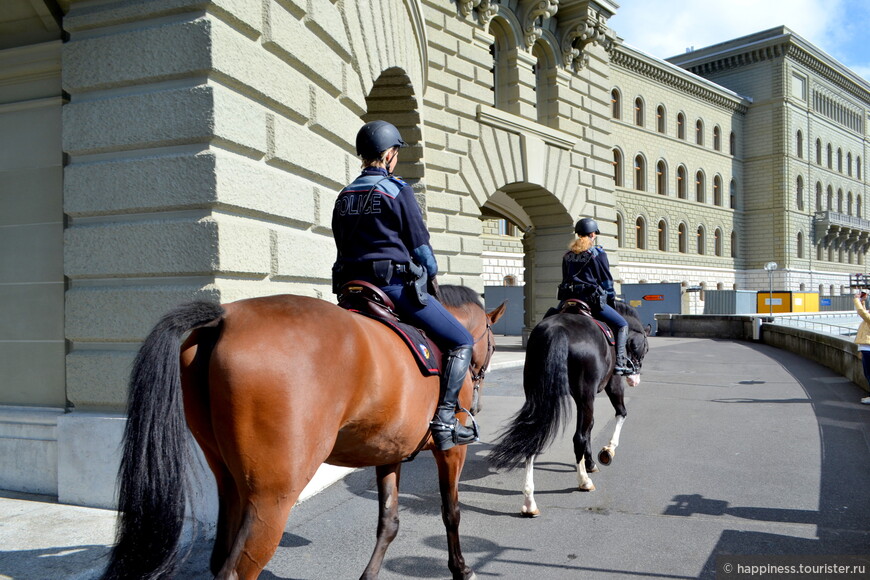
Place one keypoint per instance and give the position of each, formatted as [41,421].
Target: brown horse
[271,388]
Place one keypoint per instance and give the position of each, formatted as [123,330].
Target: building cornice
[671,75]
[770,45]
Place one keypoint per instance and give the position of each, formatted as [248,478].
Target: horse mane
[630,314]
[458,296]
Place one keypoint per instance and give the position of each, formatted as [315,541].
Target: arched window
[620,231]
[830,157]
[858,167]
[717,191]
[849,203]
[717,138]
[858,210]
[839,201]
[839,160]
[661,178]
[661,119]
[717,242]
[800,144]
[617,168]
[818,151]
[733,244]
[733,194]
[681,182]
[681,126]
[830,200]
[616,104]
[639,173]
[700,187]
[800,245]
[640,232]
[663,236]
[699,132]
[849,164]
[732,143]
[638,112]
[800,193]
[683,241]
[818,196]
[702,242]
[543,69]
[501,67]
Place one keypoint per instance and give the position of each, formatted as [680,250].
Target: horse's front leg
[450,465]
[615,392]
[582,444]
[530,508]
[388,516]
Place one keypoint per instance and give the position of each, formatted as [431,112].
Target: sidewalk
[41,539]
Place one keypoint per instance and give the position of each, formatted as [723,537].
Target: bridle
[478,376]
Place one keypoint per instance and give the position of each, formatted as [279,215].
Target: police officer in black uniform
[586,276]
[381,238]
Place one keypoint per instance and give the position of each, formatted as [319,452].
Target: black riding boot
[623,366]
[447,431]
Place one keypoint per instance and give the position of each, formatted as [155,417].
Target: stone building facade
[157,152]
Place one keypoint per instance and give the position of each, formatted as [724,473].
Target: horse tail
[153,473]
[545,381]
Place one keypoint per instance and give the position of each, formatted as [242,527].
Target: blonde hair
[380,161]
[581,244]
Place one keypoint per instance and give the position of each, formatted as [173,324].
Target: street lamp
[770,267]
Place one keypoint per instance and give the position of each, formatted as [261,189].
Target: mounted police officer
[381,238]
[586,276]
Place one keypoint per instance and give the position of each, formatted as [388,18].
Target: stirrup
[627,370]
[446,435]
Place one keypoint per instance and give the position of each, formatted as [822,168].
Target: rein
[478,377]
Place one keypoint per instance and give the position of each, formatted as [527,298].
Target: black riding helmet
[376,137]
[586,226]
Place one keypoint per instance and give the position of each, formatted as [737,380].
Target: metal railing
[822,323]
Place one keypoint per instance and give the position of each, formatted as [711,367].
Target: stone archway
[530,177]
[392,98]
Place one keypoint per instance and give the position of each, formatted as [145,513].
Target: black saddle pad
[426,353]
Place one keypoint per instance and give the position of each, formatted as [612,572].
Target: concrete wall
[838,354]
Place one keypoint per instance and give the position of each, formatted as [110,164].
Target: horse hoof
[605,456]
[593,468]
[587,487]
[530,514]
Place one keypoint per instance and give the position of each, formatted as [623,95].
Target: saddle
[577,306]
[367,299]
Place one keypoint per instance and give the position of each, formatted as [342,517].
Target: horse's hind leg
[450,464]
[530,508]
[582,444]
[388,516]
[264,515]
[614,391]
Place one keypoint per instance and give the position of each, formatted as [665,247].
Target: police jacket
[388,227]
[590,267]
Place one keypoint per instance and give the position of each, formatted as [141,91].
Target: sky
[838,27]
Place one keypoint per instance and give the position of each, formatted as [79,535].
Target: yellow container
[782,302]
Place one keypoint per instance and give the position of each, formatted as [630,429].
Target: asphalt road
[731,449]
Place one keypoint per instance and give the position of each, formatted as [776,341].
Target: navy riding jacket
[389,227]
[596,271]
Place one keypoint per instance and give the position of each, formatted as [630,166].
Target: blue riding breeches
[438,323]
[613,318]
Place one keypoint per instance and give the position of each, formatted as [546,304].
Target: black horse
[568,354]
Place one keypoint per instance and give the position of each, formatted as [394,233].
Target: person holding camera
[381,238]
[862,338]
[586,276]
